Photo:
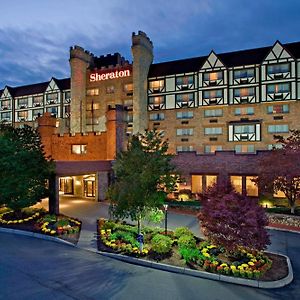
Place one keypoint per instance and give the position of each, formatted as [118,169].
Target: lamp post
[166,218]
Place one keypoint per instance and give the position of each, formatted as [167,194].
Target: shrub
[49,218]
[186,241]
[62,223]
[182,231]
[109,225]
[190,255]
[161,244]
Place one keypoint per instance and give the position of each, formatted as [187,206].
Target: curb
[36,235]
[174,269]
[282,229]
[206,275]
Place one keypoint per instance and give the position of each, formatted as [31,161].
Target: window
[213,130]
[184,131]
[157,100]
[202,182]
[67,110]
[213,113]
[213,76]
[53,111]
[251,187]
[37,113]
[278,68]
[244,92]
[156,85]
[5,104]
[184,97]
[274,146]
[279,128]
[244,149]
[52,98]
[212,94]
[278,109]
[79,149]
[110,89]
[92,92]
[184,148]
[157,117]
[237,182]
[240,111]
[244,129]
[128,87]
[22,103]
[278,88]
[129,117]
[6,116]
[212,148]
[128,102]
[67,96]
[90,106]
[245,73]
[23,115]
[184,114]
[184,80]
[38,100]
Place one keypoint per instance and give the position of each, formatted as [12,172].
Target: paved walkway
[88,211]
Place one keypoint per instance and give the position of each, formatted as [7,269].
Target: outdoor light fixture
[166,218]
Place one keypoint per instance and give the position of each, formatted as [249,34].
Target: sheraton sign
[110,75]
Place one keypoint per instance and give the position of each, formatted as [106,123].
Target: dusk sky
[35,35]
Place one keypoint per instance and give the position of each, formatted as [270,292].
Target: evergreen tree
[23,168]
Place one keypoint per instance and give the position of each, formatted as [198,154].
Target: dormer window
[37,101]
[213,76]
[52,98]
[5,104]
[278,68]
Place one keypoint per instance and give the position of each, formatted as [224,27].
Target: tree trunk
[140,233]
[293,206]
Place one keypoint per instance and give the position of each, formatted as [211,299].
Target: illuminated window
[251,187]
[156,85]
[244,149]
[157,117]
[213,130]
[212,148]
[244,92]
[236,182]
[278,109]
[128,87]
[213,76]
[184,80]
[5,104]
[245,73]
[79,149]
[278,128]
[239,111]
[278,68]
[110,89]
[201,182]
[184,131]
[278,88]
[213,112]
[90,106]
[157,100]
[184,148]
[23,115]
[92,92]
[184,114]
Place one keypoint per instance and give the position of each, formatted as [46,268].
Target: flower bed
[181,248]
[288,220]
[9,217]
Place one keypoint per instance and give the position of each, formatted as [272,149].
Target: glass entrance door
[89,188]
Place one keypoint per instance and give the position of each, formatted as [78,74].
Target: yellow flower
[233,267]
[206,254]
[21,221]
[244,265]
[52,232]
[145,251]
[250,263]
[224,265]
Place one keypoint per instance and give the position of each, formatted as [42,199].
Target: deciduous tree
[231,220]
[280,170]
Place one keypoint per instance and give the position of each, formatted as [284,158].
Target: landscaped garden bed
[181,248]
[38,221]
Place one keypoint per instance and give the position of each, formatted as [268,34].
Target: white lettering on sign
[111,75]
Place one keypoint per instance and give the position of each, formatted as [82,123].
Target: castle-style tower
[80,60]
[142,52]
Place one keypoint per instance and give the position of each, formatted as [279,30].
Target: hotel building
[218,111]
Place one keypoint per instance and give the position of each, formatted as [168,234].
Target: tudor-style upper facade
[229,101]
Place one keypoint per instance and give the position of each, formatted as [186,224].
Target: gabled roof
[37,88]
[230,59]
